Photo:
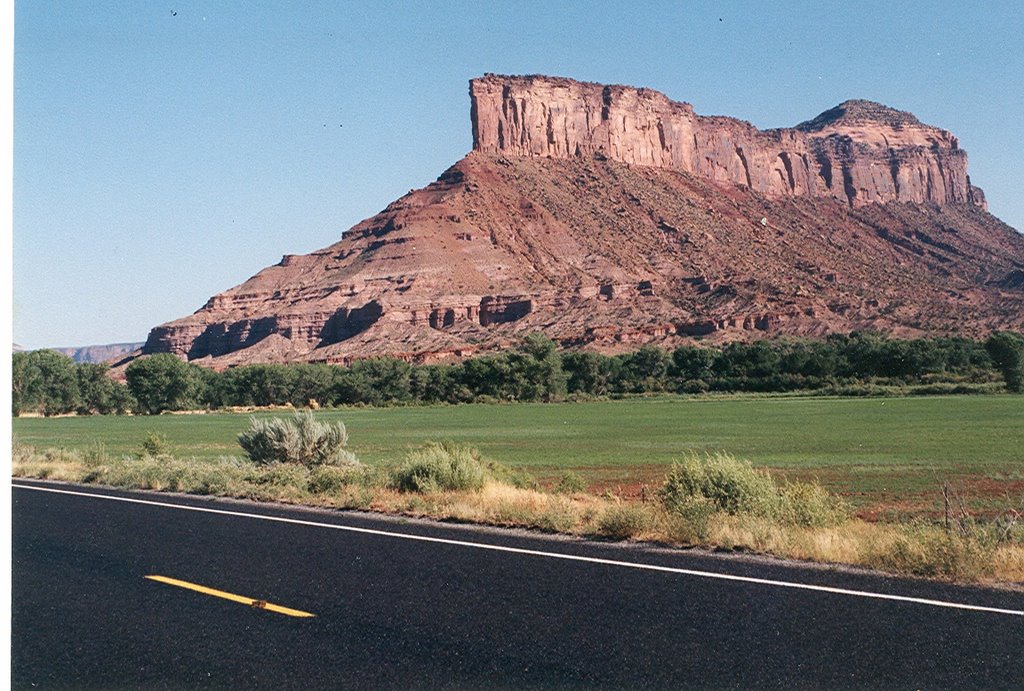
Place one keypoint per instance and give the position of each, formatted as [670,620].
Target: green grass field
[884,454]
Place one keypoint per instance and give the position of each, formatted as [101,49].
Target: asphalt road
[408,604]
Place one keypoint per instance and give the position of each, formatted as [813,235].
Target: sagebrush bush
[696,488]
[302,439]
[441,466]
[731,485]
[811,505]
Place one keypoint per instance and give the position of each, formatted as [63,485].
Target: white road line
[550,555]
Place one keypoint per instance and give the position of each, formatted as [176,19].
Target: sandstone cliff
[859,152]
[609,216]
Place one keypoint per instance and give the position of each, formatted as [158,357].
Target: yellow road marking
[252,602]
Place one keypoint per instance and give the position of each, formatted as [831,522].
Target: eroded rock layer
[860,152]
[600,243]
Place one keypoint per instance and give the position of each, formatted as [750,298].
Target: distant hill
[98,353]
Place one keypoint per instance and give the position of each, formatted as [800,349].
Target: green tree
[374,381]
[585,372]
[439,383]
[26,384]
[44,381]
[311,382]
[962,355]
[689,362]
[210,388]
[260,384]
[162,382]
[98,393]
[530,372]
[749,360]
[490,375]
[389,379]
[539,369]
[645,370]
[1007,352]
[804,361]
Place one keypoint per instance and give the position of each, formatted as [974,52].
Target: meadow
[887,456]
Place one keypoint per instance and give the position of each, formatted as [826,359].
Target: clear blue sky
[160,158]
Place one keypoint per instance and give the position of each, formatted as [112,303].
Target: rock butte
[608,216]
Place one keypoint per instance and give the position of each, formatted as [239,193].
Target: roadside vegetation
[886,456]
[858,364]
[639,457]
[711,501]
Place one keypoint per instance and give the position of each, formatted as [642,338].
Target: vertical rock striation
[859,152]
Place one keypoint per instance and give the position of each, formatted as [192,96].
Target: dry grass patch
[48,465]
[499,504]
[1008,563]
[627,520]
[839,544]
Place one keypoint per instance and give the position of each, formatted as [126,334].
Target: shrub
[559,516]
[931,552]
[696,488]
[517,477]
[155,444]
[94,454]
[730,485]
[624,521]
[327,479]
[302,439]
[695,514]
[570,483]
[694,386]
[441,466]
[282,475]
[368,477]
[809,504]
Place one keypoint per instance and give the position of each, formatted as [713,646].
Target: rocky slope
[610,216]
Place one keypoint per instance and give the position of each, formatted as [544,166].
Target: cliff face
[859,152]
[606,217]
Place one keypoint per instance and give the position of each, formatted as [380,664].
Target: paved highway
[143,590]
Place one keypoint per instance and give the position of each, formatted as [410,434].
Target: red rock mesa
[608,216]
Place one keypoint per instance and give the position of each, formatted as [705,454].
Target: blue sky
[166,151]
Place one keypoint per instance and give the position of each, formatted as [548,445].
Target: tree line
[49,383]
